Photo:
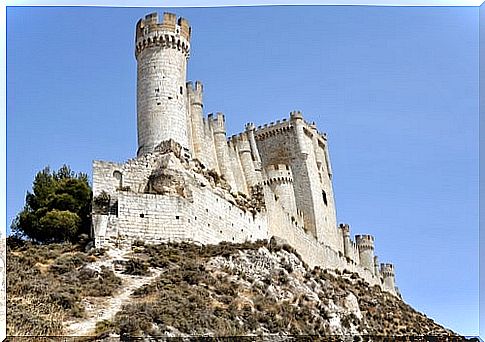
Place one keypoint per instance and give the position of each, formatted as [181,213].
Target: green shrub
[58,208]
[136,267]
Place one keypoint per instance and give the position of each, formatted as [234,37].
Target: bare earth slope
[185,289]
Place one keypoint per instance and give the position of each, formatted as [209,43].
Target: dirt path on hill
[100,308]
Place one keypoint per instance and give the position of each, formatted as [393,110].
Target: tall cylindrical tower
[387,272]
[197,119]
[345,229]
[365,244]
[247,163]
[222,151]
[162,51]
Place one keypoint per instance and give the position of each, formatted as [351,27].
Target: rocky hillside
[185,289]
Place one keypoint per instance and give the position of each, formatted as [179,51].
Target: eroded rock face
[166,182]
[335,304]
[167,178]
[170,146]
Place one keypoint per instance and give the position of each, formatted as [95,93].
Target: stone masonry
[190,182]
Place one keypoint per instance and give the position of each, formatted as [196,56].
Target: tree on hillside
[58,208]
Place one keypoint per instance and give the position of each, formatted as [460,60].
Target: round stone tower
[365,244]
[162,50]
[387,272]
[280,180]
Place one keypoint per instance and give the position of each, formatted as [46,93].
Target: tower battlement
[273,128]
[218,122]
[345,228]
[284,125]
[169,33]
[295,115]
[169,23]
[195,92]
[387,269]
[278,173]
[365,241]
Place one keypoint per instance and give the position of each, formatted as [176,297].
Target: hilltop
[183,289]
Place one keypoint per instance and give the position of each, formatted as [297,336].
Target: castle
[190,182]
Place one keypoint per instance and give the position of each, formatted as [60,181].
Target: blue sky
[395,88]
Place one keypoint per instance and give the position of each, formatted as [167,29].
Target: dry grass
[45,285]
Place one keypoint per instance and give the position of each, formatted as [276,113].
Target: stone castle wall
[206,218]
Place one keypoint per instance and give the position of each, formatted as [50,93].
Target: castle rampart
[189,182]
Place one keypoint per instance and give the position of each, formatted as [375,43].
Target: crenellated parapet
[345,229]
[217,122]
[273,128]
[284,125]
[278,174]
[387,270]
[170,33]
[241,141]
[195,93]
[365,242]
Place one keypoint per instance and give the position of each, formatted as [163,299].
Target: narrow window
[181,91]
[142,215]
[118,176]
[324,197]
[113,209]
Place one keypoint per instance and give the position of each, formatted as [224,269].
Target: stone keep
[190,182]
[162,50]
